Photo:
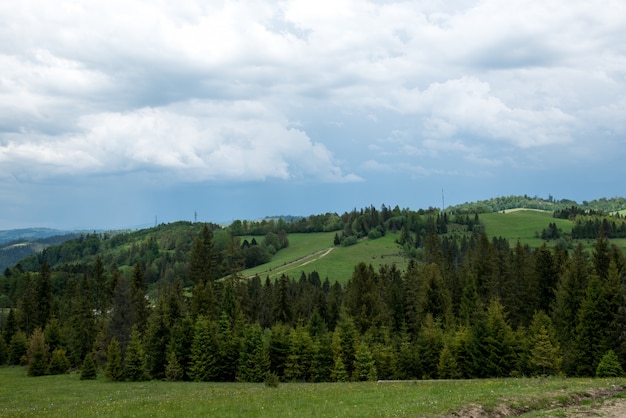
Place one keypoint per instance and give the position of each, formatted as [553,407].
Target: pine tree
[139,305]
[173,369]
[448,368]
[135,368]
[339,373]
[228,348]
[10,326]
[545,359]
[88,370]
[121,323]
[279,349]
[609,366]
[254,360]
[114,369]
[59,363]
[203,349]
[298,363]
[37,354]
[18,348]
[364,366]
[429,343]
[157,337]
[43,295]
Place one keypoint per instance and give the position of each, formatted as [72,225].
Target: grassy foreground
[66,396]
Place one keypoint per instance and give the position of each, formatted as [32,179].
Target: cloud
[192,141]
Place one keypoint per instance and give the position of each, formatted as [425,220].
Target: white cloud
[197,140]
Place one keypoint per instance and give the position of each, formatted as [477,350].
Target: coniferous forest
[467,306]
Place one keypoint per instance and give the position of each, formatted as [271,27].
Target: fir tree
[609,366]
[88,370]
[114,369]
[139,305]
[37,355]
[203,349]
[298,363]
[545,359]
[173,369]
[448,368]
[254,360]
[59,363]
[18,347]
[364,367]
[135,368]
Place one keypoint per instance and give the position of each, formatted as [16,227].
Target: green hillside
[522,225]
[316,252]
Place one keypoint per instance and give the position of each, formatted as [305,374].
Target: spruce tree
[203,349]
[545,359]
[254,360]
[364,367]
[298,363]
[88,370]
[139,305]
[448,368]
[37,355]
[135,368]
[609,366]
[18,348]
[59,363]
[173,369]
[114,369]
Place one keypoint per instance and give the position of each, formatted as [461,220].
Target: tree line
[470,308]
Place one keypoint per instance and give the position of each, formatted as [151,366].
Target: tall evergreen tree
[203,349]
[43,295]
[114,369]
[254,360]
[139,304]
[135,367]
[38,354]
[298,363]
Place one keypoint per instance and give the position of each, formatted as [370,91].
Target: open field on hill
[316,252]
[66,395]
[522,225]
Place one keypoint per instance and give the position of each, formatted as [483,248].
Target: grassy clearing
[309,252]
[66,395]
[522,225]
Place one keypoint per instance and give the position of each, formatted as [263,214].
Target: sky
[119,114]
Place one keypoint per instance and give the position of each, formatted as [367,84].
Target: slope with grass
[522,225]
[66,395]
[316,252]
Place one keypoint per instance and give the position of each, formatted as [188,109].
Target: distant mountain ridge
[30,234]
[16,244]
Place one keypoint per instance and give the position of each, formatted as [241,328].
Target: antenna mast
[443,202]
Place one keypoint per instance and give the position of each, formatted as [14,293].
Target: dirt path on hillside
[299,262]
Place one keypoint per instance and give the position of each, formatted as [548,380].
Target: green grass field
[309,252]
[67,396]
[521,225]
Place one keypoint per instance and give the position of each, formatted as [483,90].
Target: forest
[467,306]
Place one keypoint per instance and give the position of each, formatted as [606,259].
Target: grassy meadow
[309,252]
[67,396]
[521,225]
